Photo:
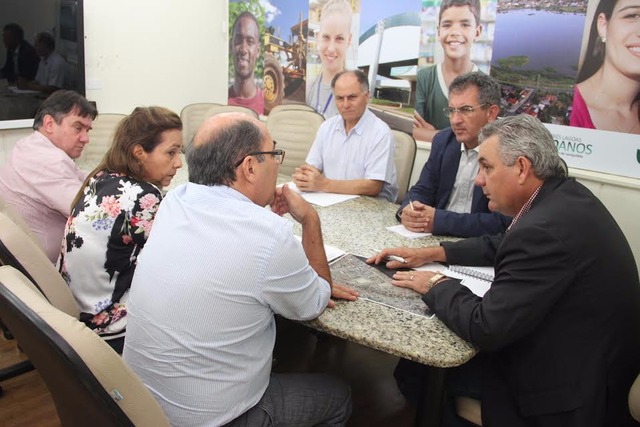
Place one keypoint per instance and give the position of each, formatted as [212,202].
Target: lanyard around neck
[318,97]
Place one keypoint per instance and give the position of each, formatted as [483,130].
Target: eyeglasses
[465,110]
[278,155]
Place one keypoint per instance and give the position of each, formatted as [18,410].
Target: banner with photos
[573,64]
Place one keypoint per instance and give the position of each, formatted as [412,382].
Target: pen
[411,203]
[392,257]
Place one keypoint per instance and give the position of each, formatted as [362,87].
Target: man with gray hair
[444,200]
[39,180]
[559,329]
[353,151]
[201,327]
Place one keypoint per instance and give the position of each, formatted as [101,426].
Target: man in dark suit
[444,201]
[559,328]
[22,60]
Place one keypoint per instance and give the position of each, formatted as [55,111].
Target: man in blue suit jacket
[444,201]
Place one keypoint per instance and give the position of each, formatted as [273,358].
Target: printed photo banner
[548,57]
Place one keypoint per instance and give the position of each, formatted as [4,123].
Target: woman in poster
[333,40]
[607,93]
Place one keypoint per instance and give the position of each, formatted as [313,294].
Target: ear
[492,112]
[478,32]
[48,124]
[247,170]
[138,153]
[524,169]
[349,39]
[602,26]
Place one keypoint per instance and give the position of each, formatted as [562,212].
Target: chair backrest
[294,131]
[405,155]
[18,250]
[191,116]
[283,107]
[88,380]
[634,399]
[219,109]
[100,139]
[17,219]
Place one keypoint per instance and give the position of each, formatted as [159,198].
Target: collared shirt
[201,329]
[52,71]
[462,192]
[39,181]
[525,208]
[366,152]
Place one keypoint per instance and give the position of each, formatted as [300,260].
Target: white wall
[155,52]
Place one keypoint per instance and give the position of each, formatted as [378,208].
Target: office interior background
[173,53]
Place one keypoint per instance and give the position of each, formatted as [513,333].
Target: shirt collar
[525,208]
[359,127]
[463,148]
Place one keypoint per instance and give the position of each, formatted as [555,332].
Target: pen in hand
[391,257]
[411,203]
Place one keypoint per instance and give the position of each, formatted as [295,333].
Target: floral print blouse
[106,231]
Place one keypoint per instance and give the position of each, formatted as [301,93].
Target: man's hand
[415,280]
[419,219]
[308,178]
[419,122]
[286,200]
[413,257]
[342,292]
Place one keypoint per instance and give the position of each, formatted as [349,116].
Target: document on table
[401,230]
[15,89]
[332,252]
[322,199]
[477,279]
[375,286]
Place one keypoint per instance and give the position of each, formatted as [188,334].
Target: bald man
[233,265]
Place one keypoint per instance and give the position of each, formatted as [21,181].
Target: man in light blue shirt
[353,151]
[215,270]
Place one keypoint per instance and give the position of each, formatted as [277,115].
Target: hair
[340,7]
[242,15]
[360,76]
[594,55]
[523,135]
[16,30]
[474,7]
[144,127]
[61,103]
[47,40]
[213,161]
[488,87]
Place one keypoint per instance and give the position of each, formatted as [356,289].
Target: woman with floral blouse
[112,215]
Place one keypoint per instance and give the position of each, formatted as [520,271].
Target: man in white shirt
[39,179]
[353,151]
[215,270]
[52,70]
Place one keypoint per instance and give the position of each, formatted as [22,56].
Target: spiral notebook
[477,279]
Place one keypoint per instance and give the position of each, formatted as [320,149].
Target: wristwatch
[435,279]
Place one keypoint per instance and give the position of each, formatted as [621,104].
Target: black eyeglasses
[465,110]
[278,155]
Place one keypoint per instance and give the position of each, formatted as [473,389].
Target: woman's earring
[604,39]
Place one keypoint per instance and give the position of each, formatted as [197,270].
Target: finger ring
[411,278]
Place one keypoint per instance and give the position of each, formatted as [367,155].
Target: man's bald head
[219,143]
